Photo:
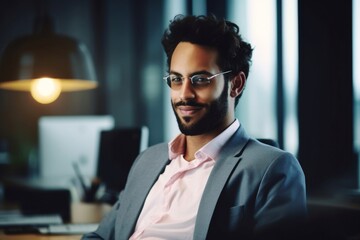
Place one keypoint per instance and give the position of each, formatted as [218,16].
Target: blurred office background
[303,89]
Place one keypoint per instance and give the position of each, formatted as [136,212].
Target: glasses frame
[168,82]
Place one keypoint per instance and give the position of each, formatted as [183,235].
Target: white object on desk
[64,140]
[69,228]
[15,218]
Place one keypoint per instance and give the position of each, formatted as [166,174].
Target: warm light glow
[45,90]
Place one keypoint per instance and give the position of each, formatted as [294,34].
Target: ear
[237,84]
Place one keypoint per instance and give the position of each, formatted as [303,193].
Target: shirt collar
[211,149]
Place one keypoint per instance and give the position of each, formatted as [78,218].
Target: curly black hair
[234,53]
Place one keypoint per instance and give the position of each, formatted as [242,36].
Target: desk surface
[80,213]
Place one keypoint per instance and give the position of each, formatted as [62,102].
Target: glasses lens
[200,80]
[174,81]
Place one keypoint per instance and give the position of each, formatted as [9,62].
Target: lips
[189,110]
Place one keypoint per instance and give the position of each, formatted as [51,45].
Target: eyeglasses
[198,80]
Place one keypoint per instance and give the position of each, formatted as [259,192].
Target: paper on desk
[73,228]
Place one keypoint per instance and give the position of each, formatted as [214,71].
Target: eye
[200,80]
[175,79]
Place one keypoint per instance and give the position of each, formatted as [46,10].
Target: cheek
[214,92]
[174,96]
[206,96]
[210,94]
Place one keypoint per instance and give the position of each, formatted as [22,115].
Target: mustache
[189,103]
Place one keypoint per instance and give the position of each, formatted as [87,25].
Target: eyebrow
[192,74]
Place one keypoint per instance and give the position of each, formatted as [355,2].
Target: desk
[80,213]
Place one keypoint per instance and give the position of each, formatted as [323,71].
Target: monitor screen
[65,140]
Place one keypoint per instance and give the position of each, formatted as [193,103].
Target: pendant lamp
[46,64]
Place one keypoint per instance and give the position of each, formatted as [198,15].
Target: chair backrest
[118,149]
[269,141]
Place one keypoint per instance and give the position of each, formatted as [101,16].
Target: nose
[187,90]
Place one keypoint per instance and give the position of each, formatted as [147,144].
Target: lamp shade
[46,55]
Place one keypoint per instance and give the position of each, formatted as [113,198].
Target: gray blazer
[253,188]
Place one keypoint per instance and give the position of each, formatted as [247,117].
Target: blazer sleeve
[281,199]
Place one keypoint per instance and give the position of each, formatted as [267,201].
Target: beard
[213,118]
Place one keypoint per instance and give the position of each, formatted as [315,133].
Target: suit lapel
[146,176]
[229,157]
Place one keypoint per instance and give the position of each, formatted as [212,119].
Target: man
[212,181]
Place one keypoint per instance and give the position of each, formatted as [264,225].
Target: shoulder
[259,151]
[264,159]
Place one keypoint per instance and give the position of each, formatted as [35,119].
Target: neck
[194,143]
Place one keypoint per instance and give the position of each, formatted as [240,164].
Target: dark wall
[325,94]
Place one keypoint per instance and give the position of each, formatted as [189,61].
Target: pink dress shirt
[171,206]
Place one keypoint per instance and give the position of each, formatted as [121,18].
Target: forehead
[188,57]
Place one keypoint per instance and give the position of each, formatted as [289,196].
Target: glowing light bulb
[45,90]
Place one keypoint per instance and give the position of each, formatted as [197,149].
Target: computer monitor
[65,140]
[118,150]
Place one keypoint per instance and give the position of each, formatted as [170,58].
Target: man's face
[199,110]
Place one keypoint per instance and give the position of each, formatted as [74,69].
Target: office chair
[269,141]
[117,151]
